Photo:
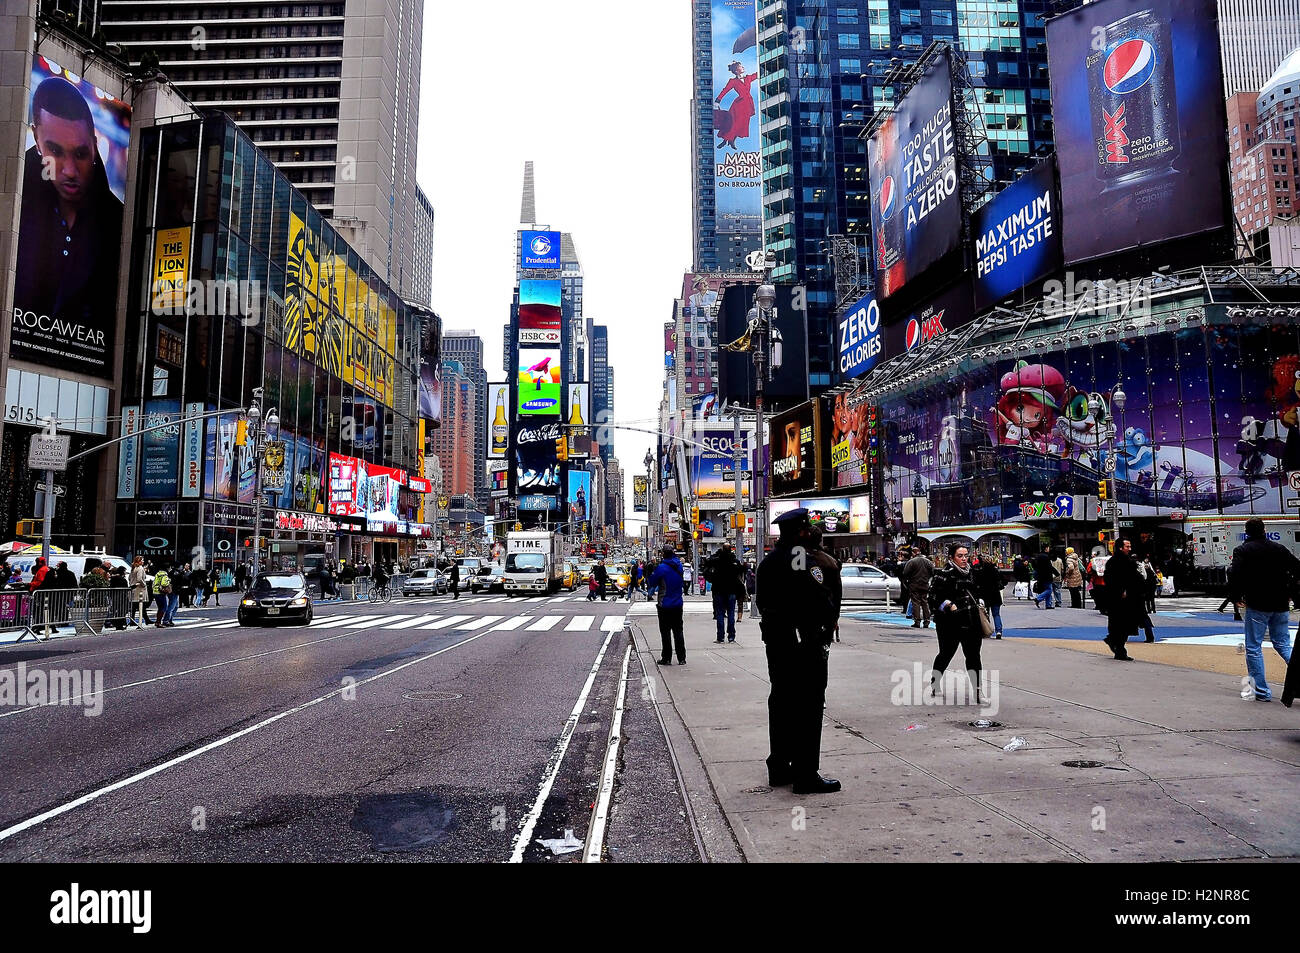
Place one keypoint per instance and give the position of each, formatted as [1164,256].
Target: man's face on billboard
[67,147]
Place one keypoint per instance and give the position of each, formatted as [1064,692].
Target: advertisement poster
[65,289]
[948,311]
[129,459]
[915,198]
[498,425]
[714,461]
[192,451]
[539,312]
[539,381]
[1017,237]
[796,457]
[171,269]
[788,384]
[640,494]
[738,167]
[850,437]
[831,515]
[579,495]
[861,338]
[539,249]
[160,450]
[430,366]
[579,418]
[1140,123]
[348,486]
[498,474]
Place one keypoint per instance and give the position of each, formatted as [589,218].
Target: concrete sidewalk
[1185,768]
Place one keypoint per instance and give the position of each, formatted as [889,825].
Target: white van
[76,562]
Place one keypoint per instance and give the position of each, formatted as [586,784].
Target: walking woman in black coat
[954,604]
[988,583]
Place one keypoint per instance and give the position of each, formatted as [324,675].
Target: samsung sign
[539,250]
[861,343]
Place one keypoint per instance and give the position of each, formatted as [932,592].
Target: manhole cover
[985,723]
[429,695]
[1084,764]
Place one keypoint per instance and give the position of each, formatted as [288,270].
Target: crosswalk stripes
[580,623]
[482,622]
[509,625]
[545,623]
[448,622]
[365,622]
[418,622]
[335,622]
[612,623]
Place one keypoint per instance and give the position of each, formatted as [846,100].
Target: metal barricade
[15,611]
[83,610]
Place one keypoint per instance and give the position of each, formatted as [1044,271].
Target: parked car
[276,597]
[425,582]
[490,579]
[863,582]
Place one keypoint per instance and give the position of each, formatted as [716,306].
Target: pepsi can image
[888,212]
[1133,101]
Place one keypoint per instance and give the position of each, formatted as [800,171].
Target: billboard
[796,450]
[831,515]
[850,435]
[1140,123]
[539,312]
[861,338]
[430,366]
[160,450]
[498,425]
[640,494]
[915,198]
[579,496]
[70,228]
[788,385]
[498,478]
[1017,236]
[714,460]
[945,312]
[538,375]
[349,486]
[579,410]
[539,249]
[738,167]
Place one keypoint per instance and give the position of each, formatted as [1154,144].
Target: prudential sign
[539,250]
[861,343]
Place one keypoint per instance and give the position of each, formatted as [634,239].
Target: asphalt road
[426,729]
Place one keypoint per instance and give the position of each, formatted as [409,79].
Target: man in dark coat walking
[1124,598]
[1261,580]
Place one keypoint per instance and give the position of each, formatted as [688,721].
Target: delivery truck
[534,562]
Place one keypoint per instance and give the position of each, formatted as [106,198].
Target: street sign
[1110,510]
[729,476]
[1293,479]
[1293,504]
[48,453]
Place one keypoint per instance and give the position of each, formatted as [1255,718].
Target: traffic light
[562,449]
[695,516]
[241,433]
[1101,489]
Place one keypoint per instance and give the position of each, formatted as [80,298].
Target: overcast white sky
[597,94]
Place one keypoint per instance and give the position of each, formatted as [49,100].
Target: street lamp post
[1118,399]
[261,430]
[764,300]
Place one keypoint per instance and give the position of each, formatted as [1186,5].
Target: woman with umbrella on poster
[732,123]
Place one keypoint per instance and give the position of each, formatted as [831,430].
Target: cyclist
[381,577]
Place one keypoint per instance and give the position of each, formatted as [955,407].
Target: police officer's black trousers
[969,637]
[794,708]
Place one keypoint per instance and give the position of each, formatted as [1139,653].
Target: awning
[978,532]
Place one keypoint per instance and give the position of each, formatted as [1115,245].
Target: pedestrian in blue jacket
[667,581]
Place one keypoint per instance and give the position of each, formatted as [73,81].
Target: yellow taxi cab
[620,577]
[572,576]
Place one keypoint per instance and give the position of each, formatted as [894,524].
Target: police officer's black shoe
[665,661]
[816,785]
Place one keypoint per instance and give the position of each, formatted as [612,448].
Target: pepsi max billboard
[1141,126]
[1017,236]
[944,313]
[539,250]
[861,338]
[915,198]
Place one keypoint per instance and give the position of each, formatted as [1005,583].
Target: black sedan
[276,597]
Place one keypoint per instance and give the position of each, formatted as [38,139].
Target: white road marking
[545,623]
[599,817]
[415,623]
[580,623]
[511,624]
[220,742]
[612,623]
[365,623]
[449,621]
[481,623]
[337,621]
[529,823]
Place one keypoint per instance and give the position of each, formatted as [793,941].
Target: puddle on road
[398,822]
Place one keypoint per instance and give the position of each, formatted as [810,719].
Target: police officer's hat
[792,521]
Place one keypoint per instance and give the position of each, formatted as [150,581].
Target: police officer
[798,596]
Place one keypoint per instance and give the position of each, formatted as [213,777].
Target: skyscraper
[466,348]
[454,442]
[329,90]
[602,396]
[1256,35]
[822,75]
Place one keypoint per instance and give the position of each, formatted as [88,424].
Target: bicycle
[382,593]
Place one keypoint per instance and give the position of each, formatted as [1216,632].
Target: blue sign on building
[540,250]
[861,343]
